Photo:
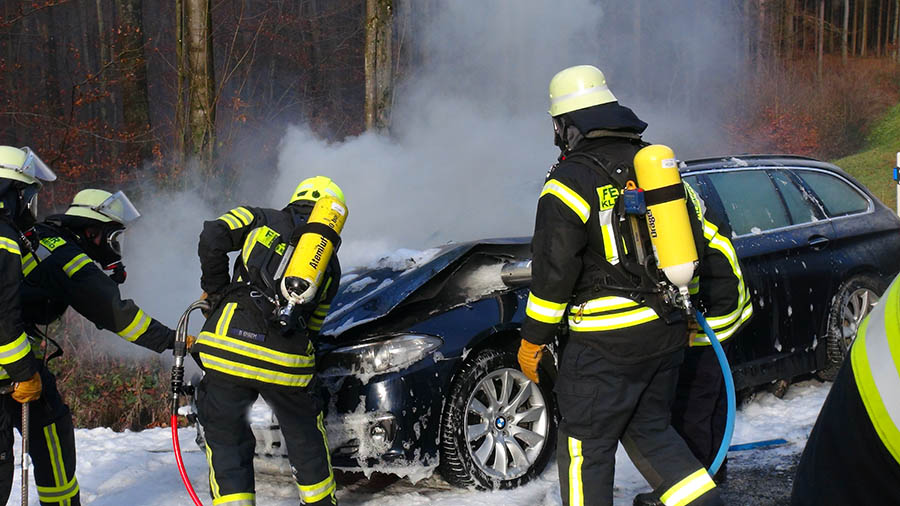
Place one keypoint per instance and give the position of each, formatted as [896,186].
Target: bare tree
[133,71]
[379,21]
[199,72]
[820,40]
[844,31]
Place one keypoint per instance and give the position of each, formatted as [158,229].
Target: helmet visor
[118,208]
[33,167]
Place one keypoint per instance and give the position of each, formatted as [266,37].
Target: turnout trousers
[51,444]
[602,403]
[222,408]
[701,402]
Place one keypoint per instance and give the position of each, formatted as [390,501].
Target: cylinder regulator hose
[729,389]
[179,350]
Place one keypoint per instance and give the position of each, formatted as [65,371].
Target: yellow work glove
[189,341]
[529,357]
[28,390]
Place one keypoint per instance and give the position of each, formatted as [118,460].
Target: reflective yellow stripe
[240,499]
[613,321]
[136,328]
[213,484]
[875,357]
[75,264]
[243,214]
[249,242]
[544,310]
[568,197]
[315,324]
[317,492]
[10,245]
[224,319]
[602,304]
[15,350]
[246,349]
[254,373]
[576,486]
[232,222]
[28,264]
[65,489]
[688,489]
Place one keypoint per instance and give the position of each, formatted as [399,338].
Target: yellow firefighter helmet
[578,87]
[313,188]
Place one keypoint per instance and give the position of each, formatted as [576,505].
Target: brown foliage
[104,390]
[783,109]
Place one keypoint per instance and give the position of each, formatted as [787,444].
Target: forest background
[150,96]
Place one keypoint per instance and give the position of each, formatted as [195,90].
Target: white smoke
[471,140]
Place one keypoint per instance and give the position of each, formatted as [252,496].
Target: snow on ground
[138,469]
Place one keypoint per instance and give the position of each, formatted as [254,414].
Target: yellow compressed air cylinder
[667,216]
[310,257]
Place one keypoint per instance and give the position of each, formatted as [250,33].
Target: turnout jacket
[853,452]
[241,340]
[59,274]
[16,359]
[579,247]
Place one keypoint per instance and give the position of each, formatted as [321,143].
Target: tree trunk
[844,32]
[788,41]
[865,28]
[897,30]
[820,41]
[133,72]
[854,33]
[379,19]
[201,107]
[880,7]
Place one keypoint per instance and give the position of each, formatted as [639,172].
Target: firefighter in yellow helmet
[853,452]
[619,368]
[70,253]
[21,173]
[246,352]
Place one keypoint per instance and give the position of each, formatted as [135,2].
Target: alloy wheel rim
[506,424]
[859,304]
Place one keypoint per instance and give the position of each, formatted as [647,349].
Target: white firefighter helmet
[103,206]
[578,87]
[22,164]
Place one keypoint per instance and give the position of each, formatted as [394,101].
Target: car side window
[838,196]
[750,201]
[800,205]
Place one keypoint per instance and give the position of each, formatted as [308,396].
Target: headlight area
[388,354]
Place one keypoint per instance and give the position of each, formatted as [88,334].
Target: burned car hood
[369,293]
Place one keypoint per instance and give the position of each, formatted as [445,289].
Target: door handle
[818,242]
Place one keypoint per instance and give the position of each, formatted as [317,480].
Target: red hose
[181,470]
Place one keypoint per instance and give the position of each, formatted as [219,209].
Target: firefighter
[853,453]
[246,352]
[21,172]
[62,271]
[618,371]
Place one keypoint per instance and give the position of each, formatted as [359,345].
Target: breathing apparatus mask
[102,218]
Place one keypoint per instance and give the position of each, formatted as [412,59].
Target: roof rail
[749,156]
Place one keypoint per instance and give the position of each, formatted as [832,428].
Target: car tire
[853,301]
[501,442]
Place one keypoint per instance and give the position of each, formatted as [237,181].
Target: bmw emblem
[500,422]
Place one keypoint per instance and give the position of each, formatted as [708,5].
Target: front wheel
[498,429]
[851,304]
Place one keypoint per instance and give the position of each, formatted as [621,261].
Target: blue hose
[729,389]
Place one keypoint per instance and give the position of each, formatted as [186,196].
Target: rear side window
[838,196]
[750,201]
[800,205]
